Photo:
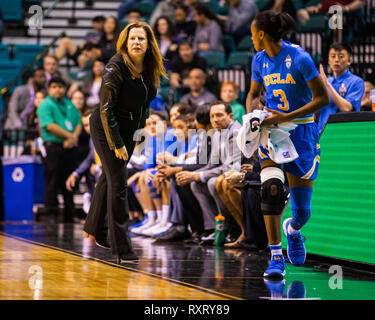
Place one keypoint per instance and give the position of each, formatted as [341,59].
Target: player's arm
[254,93]
[341,103]
[320,99]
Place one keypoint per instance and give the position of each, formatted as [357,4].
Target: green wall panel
[342,223]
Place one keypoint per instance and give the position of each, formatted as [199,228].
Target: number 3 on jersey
[283,99]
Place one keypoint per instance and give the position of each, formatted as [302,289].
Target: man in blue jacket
[346,89]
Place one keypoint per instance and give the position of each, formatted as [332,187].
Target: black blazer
[124,102]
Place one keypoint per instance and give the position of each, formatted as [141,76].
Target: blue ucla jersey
[285,77]
[285,80]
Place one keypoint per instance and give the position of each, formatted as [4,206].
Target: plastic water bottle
[219,230]
[372,97]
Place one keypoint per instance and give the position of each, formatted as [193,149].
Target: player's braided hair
[275,24]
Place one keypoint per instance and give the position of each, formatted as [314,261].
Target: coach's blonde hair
[153,60]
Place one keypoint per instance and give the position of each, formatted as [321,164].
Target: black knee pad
[273,197]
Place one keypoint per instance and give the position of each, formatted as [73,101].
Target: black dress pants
[255,229]
[110,195]
[191,208]
[58,165]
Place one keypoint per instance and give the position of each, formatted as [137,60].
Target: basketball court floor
[54,262]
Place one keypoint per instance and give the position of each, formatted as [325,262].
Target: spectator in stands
[167,40]
[106,45]
[279,6]
[61,126]
[304,9]
[191,5]
[238,21]
[198,94]
[346,89]
[203,180]
[22,100]
[124,8]
[185,29]
[94,51]
[229,94]
[134,15]
[78,98]
[33,128]
[164,8]
[366,103]
[83,147]
[91,86]
[208,34]
[347,5]
[111,32]
[97,33]
[184,62]
[51,69]
[83,170]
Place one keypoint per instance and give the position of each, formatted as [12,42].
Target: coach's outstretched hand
[122,153]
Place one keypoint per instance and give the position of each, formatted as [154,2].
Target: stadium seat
[315,24]
[238,58]
[4,51]
[164,82]
[145,7]
[215,59]
[212,5]
[9,69]
[11,10]
[222,10]
[245,44]
[27,52]
[229,44]
[164,93]
[261,4]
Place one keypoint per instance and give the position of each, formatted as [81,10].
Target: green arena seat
[239,58]
[4,51]
[215,59]
[27,52]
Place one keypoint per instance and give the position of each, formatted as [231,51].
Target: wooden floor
[31,271]
[44,261]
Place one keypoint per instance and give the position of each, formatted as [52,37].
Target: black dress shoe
[175,234]
[127,258]
[102,242]
[249,246]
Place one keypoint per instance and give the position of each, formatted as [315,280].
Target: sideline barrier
[342,223]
